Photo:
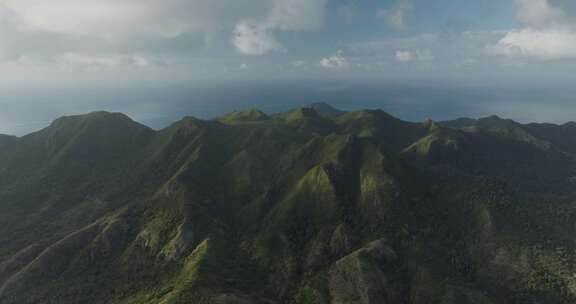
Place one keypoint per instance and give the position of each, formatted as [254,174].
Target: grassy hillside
[309,206]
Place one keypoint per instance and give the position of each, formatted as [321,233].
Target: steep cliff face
[299,207]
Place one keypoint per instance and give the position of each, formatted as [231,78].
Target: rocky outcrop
[361,276]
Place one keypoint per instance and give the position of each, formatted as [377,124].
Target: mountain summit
[325,109]
[314,205]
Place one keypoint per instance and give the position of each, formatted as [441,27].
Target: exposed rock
[360,278]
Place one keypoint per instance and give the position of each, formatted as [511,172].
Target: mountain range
[313,205]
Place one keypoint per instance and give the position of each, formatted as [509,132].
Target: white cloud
[46,30]
[543,44]
[114,18]
[404,56]
[396,17]
[337,61]
[549,32]
[254,39]
[256,36]
[417,55]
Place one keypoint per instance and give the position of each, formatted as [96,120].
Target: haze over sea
[25,111]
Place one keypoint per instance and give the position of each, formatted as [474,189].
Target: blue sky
[50,50]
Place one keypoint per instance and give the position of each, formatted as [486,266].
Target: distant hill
[313,205]
[325,109]
[243,116]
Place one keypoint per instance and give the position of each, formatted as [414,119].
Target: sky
[153,57]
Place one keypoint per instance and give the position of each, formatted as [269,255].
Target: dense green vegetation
[313,205]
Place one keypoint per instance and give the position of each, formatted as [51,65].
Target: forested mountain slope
[305,206]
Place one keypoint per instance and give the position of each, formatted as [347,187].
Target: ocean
[25,110]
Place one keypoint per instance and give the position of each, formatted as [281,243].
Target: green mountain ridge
[299,207]
[326,110]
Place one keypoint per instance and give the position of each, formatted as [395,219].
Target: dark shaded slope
[395,133]
[561,136]
[59,179]
[6,140]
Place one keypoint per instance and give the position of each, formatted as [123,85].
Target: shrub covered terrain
[310,206]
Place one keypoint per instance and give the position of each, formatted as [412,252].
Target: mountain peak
[96,117]
[300,113]
[459,123]
[325,109]
[99,130]
[252,115]
[496,119]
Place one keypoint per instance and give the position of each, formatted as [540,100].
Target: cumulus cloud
[545,44]
[49,31]
[549,32]
[404,56]
[113,18]
[256,36]
[337,61]
[254,39]
[396,17]
[46,31]
[417,55]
